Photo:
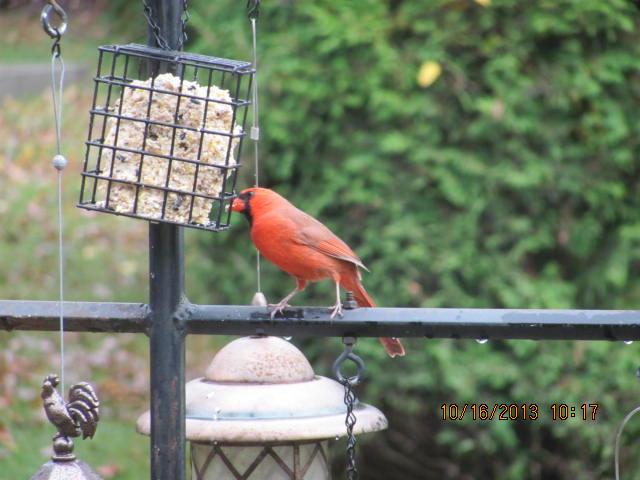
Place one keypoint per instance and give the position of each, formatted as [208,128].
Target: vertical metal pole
[166,293]
[166,275]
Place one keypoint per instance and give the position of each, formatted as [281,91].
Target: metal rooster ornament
[78,416]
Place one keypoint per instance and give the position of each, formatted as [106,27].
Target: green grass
[117,450]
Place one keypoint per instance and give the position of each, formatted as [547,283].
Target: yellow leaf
[484,3]
[428,73]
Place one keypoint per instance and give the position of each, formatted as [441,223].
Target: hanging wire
[617,444]
[254,10]
[59,160]
[350,400]
[57,76]
[616,455]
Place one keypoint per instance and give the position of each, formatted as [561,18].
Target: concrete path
[17,80]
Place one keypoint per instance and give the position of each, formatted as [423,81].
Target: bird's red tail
[352,284]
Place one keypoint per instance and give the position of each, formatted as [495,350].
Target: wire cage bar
[165,133]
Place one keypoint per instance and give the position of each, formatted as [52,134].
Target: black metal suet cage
[165,133]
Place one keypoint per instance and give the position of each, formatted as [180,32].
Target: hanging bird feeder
[165,133]
[261,412]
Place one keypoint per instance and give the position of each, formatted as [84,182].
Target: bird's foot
[278,308]
[336,310]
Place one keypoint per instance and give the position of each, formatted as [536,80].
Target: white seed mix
[152,139]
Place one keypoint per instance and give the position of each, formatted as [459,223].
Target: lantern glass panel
[295,460]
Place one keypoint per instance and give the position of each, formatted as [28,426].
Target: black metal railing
[476,323]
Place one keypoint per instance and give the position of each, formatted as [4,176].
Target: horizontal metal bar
[197,60]
[78,316]
[421,322]
[314,321]
[210,227]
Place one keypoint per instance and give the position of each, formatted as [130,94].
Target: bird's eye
[246,196]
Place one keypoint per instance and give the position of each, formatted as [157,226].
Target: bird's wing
[317,236]
[338,249]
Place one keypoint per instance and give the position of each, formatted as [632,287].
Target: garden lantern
[260,412]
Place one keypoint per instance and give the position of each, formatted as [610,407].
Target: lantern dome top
[259,360]
[263,389]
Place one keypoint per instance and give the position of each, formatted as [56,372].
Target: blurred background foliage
[473,153]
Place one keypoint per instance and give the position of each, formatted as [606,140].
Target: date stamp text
[518,411]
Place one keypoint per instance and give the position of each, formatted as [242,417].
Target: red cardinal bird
[304,248]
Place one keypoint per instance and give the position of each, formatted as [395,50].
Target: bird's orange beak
[237,205]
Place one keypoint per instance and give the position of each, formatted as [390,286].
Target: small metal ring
[53,32]
[349,355]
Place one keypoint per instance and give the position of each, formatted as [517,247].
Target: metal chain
[350,400]
[184,18]
[155,28]
[157,31]
[350,421]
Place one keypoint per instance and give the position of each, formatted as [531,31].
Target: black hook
[254,9]
[349,355]
[55,48]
